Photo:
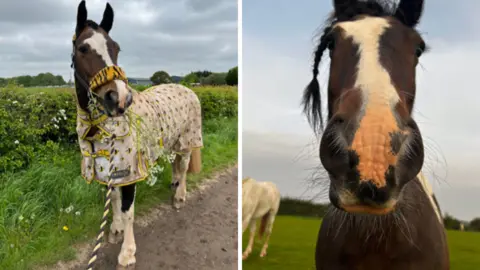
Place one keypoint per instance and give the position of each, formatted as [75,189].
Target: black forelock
[88,23]
[373,8]
[92,24]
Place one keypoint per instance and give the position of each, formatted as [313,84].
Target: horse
[383,213]
[259,200]
[123,133]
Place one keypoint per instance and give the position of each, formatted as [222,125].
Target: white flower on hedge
[56,126]
[77,213]
[62,114]
[69,209]
[14,102]
[16,142]
[20,218]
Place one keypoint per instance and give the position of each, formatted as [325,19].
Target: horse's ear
[344,9]
[107,20]
[81,17]
[409,12]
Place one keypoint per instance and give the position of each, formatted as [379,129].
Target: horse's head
[371,146]
[94,58]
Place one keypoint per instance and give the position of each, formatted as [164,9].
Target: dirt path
[202,235]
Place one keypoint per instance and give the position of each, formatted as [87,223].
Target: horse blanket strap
[163,119]
[107,75]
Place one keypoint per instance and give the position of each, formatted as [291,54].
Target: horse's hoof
[263,254]
[127,262]
[128,267]
[245,255]
[178,204]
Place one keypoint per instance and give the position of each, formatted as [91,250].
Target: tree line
[298,207]
[42,79]
[204,77]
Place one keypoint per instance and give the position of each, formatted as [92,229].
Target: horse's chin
[368,210]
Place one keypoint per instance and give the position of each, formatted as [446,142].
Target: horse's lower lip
[367,209]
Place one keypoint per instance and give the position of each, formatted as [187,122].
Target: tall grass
[47,208]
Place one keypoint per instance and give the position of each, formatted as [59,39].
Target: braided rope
[106,209]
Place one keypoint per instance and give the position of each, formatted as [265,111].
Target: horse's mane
[312,102]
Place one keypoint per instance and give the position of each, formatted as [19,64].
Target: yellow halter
[106,75]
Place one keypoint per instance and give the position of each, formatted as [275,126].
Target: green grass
[31,220]
[292,246]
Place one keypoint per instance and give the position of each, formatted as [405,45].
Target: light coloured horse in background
[259,200]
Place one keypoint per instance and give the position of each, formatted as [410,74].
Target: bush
[218,101]
[32,118]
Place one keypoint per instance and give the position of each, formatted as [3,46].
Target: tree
[474,225]
[214,79]
[450,222]
[202,74]
[190,78]
[160,77]
[232,76]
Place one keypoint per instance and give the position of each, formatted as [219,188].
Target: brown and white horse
[383,214]
[122,133]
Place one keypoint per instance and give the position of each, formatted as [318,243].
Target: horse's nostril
[111,96]
[121,110]
[371,193]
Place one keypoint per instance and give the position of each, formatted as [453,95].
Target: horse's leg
[181,192]
[268,230]
[175,178]
[248,250]
[116,228]
[127,253]
[245,222]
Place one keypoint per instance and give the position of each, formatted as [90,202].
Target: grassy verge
[292,246]
[38,227]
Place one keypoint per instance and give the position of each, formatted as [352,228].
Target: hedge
[298,207]
[33,119]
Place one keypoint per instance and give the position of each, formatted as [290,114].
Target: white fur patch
[372,78]
[98,43]
[122,92]
[429,191]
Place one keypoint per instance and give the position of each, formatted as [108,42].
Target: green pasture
[292,246]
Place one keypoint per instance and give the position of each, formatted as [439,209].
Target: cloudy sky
[278,144]
[176,36]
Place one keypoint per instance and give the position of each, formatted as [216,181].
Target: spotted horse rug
[163,120]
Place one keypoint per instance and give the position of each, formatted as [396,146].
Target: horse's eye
[83,49]
[420,49]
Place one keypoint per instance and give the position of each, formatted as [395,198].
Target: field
[292,246]
[45,205]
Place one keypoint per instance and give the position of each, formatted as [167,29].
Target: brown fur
[195,165]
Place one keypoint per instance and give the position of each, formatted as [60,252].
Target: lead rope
[106,209]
